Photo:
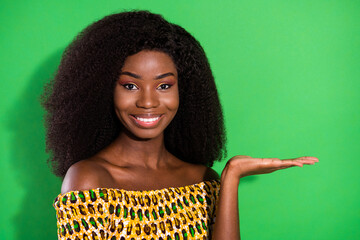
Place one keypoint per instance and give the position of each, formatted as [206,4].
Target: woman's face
[146,95]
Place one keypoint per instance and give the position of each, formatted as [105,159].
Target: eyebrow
[139,77]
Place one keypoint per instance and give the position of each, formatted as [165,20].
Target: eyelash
[169,86]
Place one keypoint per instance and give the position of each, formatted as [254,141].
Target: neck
[128,150]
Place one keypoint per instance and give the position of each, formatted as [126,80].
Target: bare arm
[227,212]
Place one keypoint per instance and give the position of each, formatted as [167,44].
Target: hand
[242,166]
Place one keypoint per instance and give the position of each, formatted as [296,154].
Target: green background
[288,73]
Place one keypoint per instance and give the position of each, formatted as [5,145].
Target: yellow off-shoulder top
[174,213]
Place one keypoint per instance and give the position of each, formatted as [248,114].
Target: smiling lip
[146,120]
[147,115]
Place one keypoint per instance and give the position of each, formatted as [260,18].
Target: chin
[147,136]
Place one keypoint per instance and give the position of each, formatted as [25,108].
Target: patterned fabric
[174,213]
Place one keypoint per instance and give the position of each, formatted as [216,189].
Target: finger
[308,158]
[277,160]
[306,161]
[311,162]
[277,163]
[303,160]
[285,163]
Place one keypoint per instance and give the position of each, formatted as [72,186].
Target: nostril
[148,102]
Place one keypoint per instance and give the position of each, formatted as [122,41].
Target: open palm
[243,166]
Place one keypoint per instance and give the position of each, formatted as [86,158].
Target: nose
[148,98]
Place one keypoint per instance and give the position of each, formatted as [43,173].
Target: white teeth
[147,119]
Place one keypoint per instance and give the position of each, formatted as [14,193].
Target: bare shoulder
[205,173]
[210,174]
[83,175]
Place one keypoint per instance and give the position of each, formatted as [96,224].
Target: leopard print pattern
[173,213]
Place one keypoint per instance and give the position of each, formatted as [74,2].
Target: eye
[164,86]
[129,86]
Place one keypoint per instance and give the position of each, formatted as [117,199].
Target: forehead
[149,61]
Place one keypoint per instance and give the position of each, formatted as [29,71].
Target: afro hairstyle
[80,118]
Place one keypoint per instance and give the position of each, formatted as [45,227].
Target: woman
[134,125]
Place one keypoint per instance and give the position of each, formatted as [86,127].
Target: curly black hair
[81,119]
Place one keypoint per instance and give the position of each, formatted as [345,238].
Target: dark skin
[138,159]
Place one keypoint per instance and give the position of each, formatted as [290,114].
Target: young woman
[134,126]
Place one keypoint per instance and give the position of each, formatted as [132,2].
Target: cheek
[172,103]
[121,101]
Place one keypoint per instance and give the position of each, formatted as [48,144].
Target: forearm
[227,212]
